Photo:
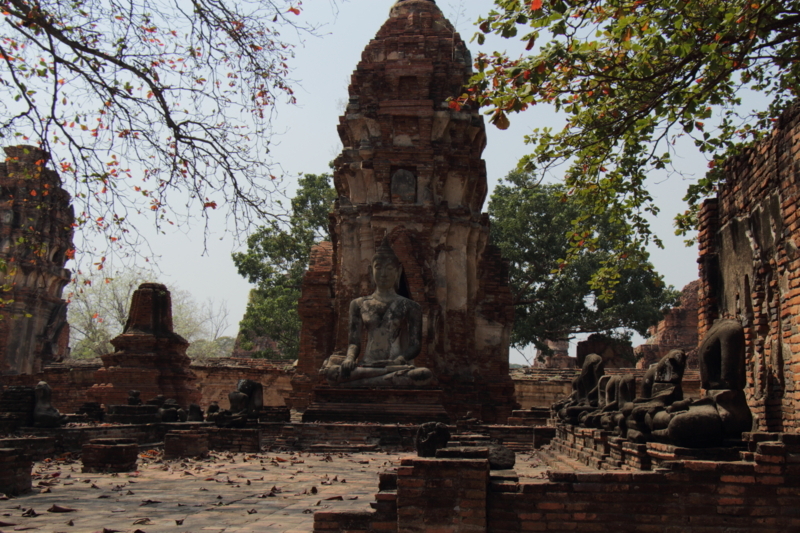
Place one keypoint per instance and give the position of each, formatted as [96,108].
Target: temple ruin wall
[749,247]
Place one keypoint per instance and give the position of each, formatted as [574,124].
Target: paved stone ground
[225,493]
[230,493]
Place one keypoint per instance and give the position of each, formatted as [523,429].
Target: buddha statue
[393,327]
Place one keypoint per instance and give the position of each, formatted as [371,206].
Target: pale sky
[308,141]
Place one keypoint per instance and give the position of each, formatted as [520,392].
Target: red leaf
[294,10]
[536,5]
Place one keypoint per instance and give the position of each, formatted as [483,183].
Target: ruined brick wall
[216,378]
[411,169]
[35,240]
[615,353]
[677,331]
[72,382]
[749,262]
[701,497]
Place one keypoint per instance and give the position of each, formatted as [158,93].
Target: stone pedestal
[384,406]
[662,453]
[110,455]
[236,440]
[15,471]
[179,444]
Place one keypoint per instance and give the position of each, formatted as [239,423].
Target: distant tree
[275,260]
[99,305]
[554,299]
[631,77]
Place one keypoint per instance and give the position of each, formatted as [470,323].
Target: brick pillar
[442,495]
[708,262]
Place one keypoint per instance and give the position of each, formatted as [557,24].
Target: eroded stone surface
[36,235]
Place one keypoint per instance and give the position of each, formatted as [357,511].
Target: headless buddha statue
[394,335]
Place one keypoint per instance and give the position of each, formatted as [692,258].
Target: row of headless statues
[660,413]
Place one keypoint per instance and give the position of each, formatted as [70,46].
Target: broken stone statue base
[383,406]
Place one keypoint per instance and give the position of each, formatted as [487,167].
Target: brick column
[442,495]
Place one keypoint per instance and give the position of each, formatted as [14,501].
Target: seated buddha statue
[393,326]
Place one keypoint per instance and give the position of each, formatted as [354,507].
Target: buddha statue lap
[662,391]
[723,412]
[586,391]
[393,326]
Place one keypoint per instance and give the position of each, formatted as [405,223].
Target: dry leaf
[142,522]
[58,509]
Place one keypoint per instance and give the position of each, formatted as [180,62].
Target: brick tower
[148,355]
[35,239]
[411,169]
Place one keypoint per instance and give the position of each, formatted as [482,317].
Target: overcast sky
[308,141]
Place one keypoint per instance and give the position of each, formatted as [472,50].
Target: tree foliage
[276,258]
[631,77]
[98,310]
[141,101]
[553,298]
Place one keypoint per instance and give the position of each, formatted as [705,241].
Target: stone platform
[602,450]
[384,406]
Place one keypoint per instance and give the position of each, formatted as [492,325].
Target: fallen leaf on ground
[179,521]
[142,522]
[30,513]
[149,502]
[58,509]
[252,511]
[334,498]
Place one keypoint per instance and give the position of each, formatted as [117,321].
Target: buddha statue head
[386,267]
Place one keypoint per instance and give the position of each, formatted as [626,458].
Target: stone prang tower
[411,169]
[35,239]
